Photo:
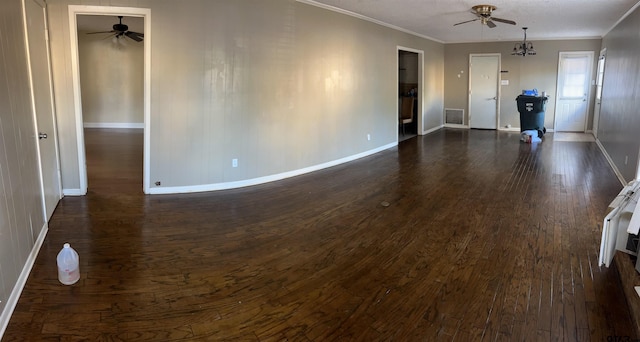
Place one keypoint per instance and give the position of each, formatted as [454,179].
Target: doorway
[410,87]
[572,100]
[484,78]
[111,15]
[112,80]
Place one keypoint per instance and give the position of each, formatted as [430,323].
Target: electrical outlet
[626,160]
[368,136]
[158,183]
[234,162]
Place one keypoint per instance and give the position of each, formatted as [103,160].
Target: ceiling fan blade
[138,37]
[101,32]
[110,36]
[505,21]
[491,24]
[468,21]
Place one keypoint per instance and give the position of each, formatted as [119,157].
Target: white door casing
[484,82]
[599,81]
[572,98]
[42,103]
[74,11]
[420,99]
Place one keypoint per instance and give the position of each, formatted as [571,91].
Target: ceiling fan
[483,13]
[122,30]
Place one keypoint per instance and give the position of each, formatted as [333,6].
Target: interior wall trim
[433,129]
[73,12]
[266,179]
[611,163]
[364,17]
[22,280]
[113,125]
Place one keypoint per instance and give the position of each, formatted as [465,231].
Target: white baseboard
[248,182]
[517,129]
[72,192]
[113,125]
[455,126]
[613,166]
[22,280]
[509,129]
[432,130]
[266,179]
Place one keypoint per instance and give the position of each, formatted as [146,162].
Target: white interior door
[572,100]
[599,79]
[42,101]
[484,71]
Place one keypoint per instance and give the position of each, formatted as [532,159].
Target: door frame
[498,93]
[588,94]
[420,110]
[54,134]
[602,57]
[145,13]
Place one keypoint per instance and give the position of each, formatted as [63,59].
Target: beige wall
[111,76]
[21,214]
[619,124]
[279,85]
[539,71]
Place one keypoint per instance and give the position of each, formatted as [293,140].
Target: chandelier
[524,48]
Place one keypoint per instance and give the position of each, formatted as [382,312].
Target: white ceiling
[546,19]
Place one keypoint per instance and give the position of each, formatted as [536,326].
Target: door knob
[42,135]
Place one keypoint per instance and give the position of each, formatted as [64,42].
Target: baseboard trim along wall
[611,163]
[432,130]
[113,125]
[72,192]
[22,280]
[266,179]
[456,126]
[248,182]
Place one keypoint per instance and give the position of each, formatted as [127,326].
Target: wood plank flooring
[484,238]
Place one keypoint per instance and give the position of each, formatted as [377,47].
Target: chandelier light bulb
[524,48]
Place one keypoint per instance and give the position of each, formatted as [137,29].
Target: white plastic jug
[68,265]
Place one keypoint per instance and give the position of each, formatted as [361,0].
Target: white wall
[279,85]
[111,76]
[21,215]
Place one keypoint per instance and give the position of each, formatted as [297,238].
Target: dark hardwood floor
[458,235]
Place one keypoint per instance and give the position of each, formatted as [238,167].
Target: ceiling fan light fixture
[121,30]
[517,50]
[530,50]
[484,13]
[525,48]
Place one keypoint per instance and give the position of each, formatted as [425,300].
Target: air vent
[453,116]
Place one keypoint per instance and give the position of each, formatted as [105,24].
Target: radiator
[617,233]
[453,116]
